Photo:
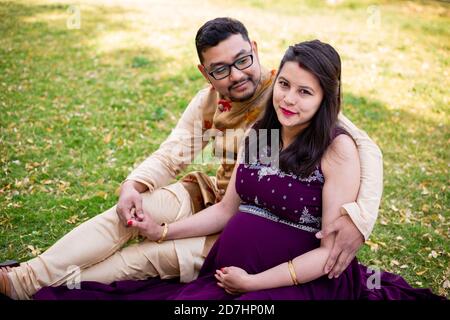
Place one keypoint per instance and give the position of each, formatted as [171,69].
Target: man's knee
[162,258]
[167,204]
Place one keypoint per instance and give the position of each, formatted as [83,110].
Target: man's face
[239,85]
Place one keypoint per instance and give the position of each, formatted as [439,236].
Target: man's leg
[93,247]
[87,244]
[180,258]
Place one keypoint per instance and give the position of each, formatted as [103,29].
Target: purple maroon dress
[276,222]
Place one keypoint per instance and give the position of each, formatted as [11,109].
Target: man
[237,95]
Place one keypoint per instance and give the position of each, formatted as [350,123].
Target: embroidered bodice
[284,197]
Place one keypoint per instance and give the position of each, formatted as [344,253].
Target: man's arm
[364,211]
[178,150]
[357,218]
[174,154]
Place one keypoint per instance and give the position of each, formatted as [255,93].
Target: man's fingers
[332,258]
[124,214]
[139,210]
[327,230]
[339,265]
[343,262]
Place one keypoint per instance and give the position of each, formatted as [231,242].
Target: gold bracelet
[292,272]
[164,234]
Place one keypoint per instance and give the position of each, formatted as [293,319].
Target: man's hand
[233,280]
[130,203]
[148,228]
[346,244]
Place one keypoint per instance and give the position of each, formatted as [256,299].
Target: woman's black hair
[303,155]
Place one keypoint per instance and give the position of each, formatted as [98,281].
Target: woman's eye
[302,91]
[283,84]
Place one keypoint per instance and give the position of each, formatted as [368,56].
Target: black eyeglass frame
[211,73]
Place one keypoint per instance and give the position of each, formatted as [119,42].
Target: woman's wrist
[252,283]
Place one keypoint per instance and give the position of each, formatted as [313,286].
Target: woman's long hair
[303,155]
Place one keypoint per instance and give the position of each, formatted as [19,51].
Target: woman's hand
[234,280]
[147,227]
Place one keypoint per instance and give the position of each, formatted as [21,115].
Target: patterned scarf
[238,116]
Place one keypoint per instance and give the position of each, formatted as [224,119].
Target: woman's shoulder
[341,151]
[343,142]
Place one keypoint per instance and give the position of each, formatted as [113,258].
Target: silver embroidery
[306,217]
[269,215]
[266,171]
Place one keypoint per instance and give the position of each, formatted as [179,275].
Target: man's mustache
[237,83]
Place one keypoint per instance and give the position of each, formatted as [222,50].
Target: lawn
[88,90]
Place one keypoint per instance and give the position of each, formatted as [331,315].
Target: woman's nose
[289,98]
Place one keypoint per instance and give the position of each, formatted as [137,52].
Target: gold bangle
[292,272]
[164,234]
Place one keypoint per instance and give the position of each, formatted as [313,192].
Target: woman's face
[297,95]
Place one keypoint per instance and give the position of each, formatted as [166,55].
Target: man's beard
[249,95]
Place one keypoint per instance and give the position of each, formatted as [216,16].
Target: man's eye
[243,61]
[220,71]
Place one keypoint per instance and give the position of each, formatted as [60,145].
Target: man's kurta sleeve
[178,150]
[364,211]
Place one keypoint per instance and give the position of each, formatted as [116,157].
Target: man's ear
[255,48]
[203,71]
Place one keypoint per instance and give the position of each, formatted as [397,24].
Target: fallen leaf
[107,138]
[395,263]
[446,284]
[373,246]
[73,219]
[34,251]
[421,272]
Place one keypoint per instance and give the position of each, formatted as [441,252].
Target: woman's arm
[341,169]
[208,221]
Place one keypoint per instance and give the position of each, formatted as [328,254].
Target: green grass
[81,107]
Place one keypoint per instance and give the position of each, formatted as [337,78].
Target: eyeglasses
[224,71]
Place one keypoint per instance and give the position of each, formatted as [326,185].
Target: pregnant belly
[256,244]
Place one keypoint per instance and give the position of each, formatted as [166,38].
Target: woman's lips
[287,113]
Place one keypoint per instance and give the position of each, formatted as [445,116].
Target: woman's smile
[287,112]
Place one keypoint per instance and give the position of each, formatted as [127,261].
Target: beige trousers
[96,251]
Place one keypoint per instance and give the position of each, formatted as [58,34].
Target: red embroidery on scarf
[207,124]
[224,105]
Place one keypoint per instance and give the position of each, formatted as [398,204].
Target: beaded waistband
[261,212]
